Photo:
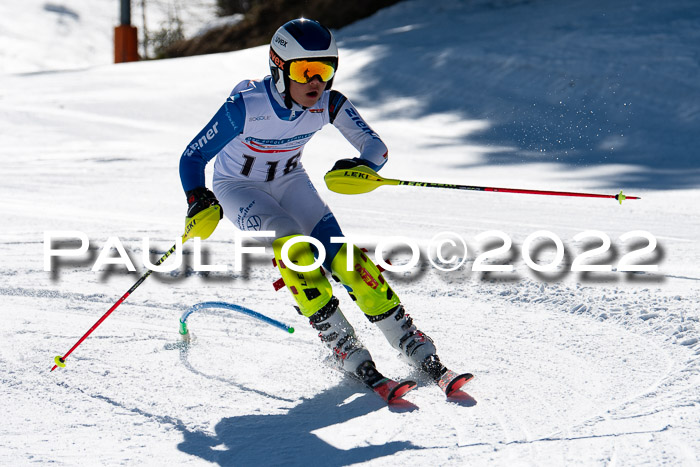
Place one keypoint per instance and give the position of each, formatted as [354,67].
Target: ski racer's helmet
[297,40]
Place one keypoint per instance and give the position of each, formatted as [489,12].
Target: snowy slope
[571,368]
[40,35]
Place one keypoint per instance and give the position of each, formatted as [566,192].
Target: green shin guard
[311,289]
[364,282]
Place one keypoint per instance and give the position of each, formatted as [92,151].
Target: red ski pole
[362,179]
[61,361]
[201,225]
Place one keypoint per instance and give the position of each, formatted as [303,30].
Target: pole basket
[125,44]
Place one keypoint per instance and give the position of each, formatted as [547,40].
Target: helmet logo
[279,40]
[276,59]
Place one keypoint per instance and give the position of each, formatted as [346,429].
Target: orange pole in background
[125,44]
[125,37]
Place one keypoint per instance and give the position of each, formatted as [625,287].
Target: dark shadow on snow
[608,87]
[62,11]
[287,438]
[283,439]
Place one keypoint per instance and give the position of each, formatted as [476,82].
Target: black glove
[344,164]
[199,199]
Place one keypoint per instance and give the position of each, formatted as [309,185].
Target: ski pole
[362,179]
[201,225]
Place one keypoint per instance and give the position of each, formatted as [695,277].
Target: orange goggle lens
[303,71]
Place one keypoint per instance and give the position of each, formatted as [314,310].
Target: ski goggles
[303,71]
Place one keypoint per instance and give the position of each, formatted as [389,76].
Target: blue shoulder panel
[335,102]
[226,125]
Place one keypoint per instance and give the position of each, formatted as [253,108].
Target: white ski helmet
[296,40]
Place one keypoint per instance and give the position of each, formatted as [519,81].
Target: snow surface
[40,35]
[571,368]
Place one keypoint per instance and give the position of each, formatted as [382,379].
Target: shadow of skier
[288,438]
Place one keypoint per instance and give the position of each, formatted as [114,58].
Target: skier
[258,135]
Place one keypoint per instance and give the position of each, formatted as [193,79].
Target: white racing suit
[261,185]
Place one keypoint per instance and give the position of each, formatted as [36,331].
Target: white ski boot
[339,336]
[418,349]
[402,334]
[351,356]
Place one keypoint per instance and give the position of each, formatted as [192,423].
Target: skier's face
[306,95]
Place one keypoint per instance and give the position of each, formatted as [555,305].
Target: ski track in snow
[597,369]
[532,344]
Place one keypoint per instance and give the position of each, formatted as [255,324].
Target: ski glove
[344,164]
[199,199]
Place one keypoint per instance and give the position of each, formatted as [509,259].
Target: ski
[450,382]
[386,388]
[391,390]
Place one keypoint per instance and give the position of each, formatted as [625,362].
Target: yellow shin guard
[364,282]
[311,290]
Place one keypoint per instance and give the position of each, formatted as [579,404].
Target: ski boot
[418,349]
[351,356]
